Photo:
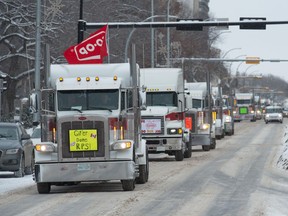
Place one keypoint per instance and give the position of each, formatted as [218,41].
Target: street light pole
[168,34]
[152,35]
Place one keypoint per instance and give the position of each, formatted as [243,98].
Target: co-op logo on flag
[90,49]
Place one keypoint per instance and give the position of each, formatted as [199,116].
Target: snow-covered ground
[8,183]
[283,159]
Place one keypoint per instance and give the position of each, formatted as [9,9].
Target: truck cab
[162,122]
[203,130]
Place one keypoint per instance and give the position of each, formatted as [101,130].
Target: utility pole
[36,116]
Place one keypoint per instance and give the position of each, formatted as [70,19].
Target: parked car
[36,135]
[16,149]
[273,113]
[285,112]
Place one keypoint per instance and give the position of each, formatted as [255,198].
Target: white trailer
[203,132]
[86,137]
[162,122]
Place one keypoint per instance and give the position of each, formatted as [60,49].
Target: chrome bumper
[200,139]
[85,171]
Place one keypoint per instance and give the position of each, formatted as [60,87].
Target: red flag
[90,51]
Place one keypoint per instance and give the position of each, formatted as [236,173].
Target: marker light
[61,79]
[115,78]
[121,145]
[78,79]
[87,79]
[44,147]
[97,78]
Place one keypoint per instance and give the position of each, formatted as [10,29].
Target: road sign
[252,60]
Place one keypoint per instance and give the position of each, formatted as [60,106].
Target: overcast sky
[271,43]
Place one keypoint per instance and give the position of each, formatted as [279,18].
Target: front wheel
[43,188]
[128,185]
[188,151]
[143,171]
[213,143]
[179,156]
[206,147]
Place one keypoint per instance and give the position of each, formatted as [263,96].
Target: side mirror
[25,136]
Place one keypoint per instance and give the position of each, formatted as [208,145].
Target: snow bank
[283,159]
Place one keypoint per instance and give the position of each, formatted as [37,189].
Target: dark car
[16,149]
[285,112]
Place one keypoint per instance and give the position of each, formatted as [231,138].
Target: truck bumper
[200,139]
[218,131]
[85,171]
[228,127]
[163,144]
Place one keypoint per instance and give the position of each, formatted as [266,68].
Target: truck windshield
[243,101]
[88,100]
[197,103]
[161,99]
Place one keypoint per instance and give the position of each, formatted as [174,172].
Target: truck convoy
[203,129]
[245,107]
[90,121]
[163,123]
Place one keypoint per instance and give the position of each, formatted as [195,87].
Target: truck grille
[66,126]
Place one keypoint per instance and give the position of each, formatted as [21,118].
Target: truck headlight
[227,119]
[12,151]
[267,116]
[121,145]
[174,131]
[204,126]
[45,147]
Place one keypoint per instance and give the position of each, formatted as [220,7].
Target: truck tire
[188,151]
[179,156]
[128,185]
[213,143]
[43,188]
[21,172]
[143,171]
[206,147]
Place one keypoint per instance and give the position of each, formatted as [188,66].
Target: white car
[273,113]
[36,135]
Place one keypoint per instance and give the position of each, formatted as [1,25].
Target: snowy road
[240,177]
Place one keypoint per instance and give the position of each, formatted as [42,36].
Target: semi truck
[162,123]
[245,107]
[218,115]
[228,114]
[90,127]
[203,129]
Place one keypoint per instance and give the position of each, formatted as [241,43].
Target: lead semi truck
[90,121]
[163,123]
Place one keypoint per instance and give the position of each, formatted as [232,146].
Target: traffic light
[253,25]
[197,26]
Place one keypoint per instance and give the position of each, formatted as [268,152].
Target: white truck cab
[162,122]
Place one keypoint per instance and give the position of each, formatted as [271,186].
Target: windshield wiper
[99,108]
